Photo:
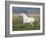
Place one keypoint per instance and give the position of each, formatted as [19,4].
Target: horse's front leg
[32,25]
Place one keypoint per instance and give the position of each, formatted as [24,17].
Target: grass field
[18,24]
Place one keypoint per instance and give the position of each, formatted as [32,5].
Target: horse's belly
[26,21]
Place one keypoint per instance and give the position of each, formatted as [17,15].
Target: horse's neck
[24,16]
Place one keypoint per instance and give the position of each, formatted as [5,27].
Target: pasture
[18,24]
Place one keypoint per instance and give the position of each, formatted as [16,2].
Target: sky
[26,10]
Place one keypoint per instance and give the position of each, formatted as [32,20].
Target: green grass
[18,24]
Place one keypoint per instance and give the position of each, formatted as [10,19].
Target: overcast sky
[26,10]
